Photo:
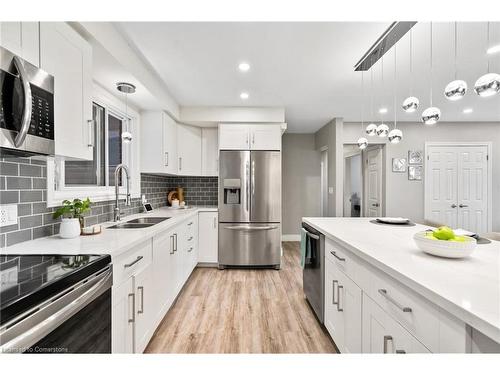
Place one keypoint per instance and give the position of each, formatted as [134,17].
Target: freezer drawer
[249,244]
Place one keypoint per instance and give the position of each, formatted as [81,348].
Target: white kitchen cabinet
[158,143]
[22,39]
[68,57]
[209,152]
[144,298]
[250,137]
[342,309]
[163,258]
[188,150]
[208,237]
[382,334]
[122,327]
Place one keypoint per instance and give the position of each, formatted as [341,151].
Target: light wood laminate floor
[243,311]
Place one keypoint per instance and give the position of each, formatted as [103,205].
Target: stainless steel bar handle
[215,222]
[253,138]
[138,259]
[172,245]
[400,351]
[51,314]
[453,205]
[141,288]
[166,159]
[336,256]
[339,287]
[253,178]
[313,236]
[91,142]
[241,227]
[180,163]
[335,284]
[383,292]
[462,205]
[175,242]
[247,184]
[26,118]
[132,319]
[387,338]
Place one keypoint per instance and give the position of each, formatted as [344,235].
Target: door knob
[462,205]
[453,205]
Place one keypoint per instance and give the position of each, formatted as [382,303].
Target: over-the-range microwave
[26,107]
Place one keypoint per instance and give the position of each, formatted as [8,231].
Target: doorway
[458,185]
[353,182]
[374,180]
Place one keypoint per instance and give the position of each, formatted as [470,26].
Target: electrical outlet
[8,214]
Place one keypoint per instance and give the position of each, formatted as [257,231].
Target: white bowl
[446,249]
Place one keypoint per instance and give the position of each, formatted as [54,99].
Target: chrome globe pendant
[395,136]
[382,130]
[371,130]
[456,89]
[431,115]
[411,103]
[126,88]
[488,84]
[362,143]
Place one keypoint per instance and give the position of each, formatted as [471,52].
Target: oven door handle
[26,118]
[52,314]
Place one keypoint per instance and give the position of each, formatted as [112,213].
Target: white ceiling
[308,67]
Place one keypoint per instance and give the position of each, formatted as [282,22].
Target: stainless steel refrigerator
[250,209]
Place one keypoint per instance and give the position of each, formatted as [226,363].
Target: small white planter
[70,228]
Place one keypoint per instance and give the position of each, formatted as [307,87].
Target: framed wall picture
[399,165]
[415,157]
[415,172]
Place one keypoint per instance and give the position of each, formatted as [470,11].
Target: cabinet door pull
[339,287]
[180,163]
[175,242]
[190,238]
[215,222]
[336,256]
[400,351]
[253,138]
[383,292]
[190,249]
[134,262]
[166,159]
[141,288]
[172,245]
[131,319]
[334,285]
[387,338]
[91,142]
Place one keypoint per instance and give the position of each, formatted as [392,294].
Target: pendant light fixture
[362,141]
[126,88]
[488,84]
[382,129]
[411,103]
[395,135]
[432,114]
[456,89]
[371,129]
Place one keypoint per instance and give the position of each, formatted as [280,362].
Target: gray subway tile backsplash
[23,181]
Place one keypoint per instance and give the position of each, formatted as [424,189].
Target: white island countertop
[467,288]
[111,241]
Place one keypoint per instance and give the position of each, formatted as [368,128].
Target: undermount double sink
[140,222]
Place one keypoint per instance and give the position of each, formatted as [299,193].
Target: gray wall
[406,198]
[301,180]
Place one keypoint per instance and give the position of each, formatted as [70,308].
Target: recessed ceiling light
[467,110]
[493,49]
[382,110]
[244,95]
[244,66]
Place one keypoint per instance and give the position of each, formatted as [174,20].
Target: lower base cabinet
[382,334]
[208,236]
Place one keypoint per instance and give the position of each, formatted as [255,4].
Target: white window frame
[55,166]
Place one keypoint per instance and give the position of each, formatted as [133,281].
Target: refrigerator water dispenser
[232,191]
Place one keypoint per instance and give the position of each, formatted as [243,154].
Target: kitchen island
[446,305]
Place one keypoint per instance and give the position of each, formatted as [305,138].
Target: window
[109,151]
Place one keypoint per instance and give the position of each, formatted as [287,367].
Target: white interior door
[373,182]
[456,186]
[472,189]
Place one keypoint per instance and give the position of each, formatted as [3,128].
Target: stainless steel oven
[26,107]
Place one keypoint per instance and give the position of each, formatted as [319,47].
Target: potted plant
[72,217]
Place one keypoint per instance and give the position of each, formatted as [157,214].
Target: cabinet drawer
[131,262]
[346,262]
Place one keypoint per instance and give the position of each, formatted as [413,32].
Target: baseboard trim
[290,237]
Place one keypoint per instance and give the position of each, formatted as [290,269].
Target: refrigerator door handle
[253,178]
[247,185]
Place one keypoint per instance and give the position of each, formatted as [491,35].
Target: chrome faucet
[117,213]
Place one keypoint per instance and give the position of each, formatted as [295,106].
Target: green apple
[460,239]
[444,233]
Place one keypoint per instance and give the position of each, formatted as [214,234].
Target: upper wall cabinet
[250,137]
[188,150]
[158,143]
[68,57]
[209,152]
[22,39]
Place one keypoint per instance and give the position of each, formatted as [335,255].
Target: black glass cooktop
[27,280]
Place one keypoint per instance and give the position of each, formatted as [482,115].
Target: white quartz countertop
[111,241]
[468,288]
